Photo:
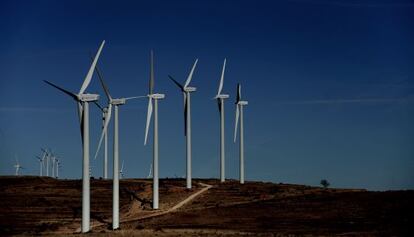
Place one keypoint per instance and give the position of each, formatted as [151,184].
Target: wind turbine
[47,157]
[17,166]
[153,96]
[149,174]
[104,118]
[53,164]
[121,171]
[186,90]
[82,99]
[239,111]
[90,171]
[116,103]
[220,101]
[57,168]
[41,163]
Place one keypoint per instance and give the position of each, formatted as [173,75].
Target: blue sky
[330,85]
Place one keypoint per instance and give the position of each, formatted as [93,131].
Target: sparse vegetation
[325,183]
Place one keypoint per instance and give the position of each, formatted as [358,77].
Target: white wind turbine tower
[17,166]
[116,103]
[220,101]
[155,97]
[83,99]
[186,90]
[239,113]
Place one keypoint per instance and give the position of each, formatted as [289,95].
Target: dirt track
[230,209]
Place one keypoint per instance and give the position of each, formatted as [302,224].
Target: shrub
[325,183]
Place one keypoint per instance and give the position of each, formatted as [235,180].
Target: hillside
[35,205]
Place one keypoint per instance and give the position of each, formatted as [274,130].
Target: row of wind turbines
[83,100]
[48,161]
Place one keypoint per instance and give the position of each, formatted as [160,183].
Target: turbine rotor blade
[222,78]
[149,113]
[98,105]
[237,122]
[135,97]
[101,80]
[238,98]
[219,105]
[151,82]
[185,113]
[73,95]
[190,76]
[106,90]
[88,77]
[80,113]
[177,83]
[104,130]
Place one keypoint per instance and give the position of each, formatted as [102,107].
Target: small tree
[325,183]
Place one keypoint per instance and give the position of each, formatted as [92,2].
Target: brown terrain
[46,206]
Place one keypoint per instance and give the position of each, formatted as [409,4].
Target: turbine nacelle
[222,96]
[121,101]
[242,102]
[157,96]
[190,89]
[88,97]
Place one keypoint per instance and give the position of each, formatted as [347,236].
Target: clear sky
[330,85]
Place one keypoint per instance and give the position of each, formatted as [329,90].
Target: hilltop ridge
[41,205]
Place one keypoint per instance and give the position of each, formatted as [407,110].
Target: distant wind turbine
[17,166]
[105,160]
[239,112]
[220,101]
[121,171]
[82,99]
[155,97]
[58,165]
[149,174]
[116,103]
[186,90]
[41,163]
[90,170]
[53,164]
[47,157]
